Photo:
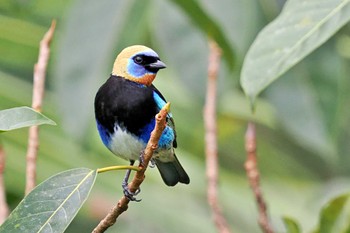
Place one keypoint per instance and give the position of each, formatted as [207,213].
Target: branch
[254,177]
[139,177]
[38,95]
[4,209]
[211,139]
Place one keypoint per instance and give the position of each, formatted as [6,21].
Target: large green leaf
[331,213]
[301,27]
[20,117]
[52,205]
[208,25]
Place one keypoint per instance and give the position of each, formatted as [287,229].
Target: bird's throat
[147,79]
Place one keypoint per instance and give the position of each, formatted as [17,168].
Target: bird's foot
[152,163]
[130,195]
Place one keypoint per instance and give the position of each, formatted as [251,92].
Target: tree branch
[38,95]
[211,139]
[254,177]
[139,177]
[4,209]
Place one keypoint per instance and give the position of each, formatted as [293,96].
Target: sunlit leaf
[52,205]
[291,225]
[208,25]
[301,27]
[331,213]
[20,117]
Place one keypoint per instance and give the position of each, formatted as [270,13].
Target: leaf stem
[112,168]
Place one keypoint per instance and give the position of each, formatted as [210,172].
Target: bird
[125,109]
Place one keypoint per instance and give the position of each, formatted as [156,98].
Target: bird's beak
[157,65]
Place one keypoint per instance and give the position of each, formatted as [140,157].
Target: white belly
[126,145]
[129,147]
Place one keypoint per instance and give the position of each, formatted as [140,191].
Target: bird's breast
[125,145]
[126,104]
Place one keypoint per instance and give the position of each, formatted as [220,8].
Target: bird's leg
[130,195]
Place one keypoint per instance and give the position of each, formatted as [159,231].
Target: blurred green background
[303,119]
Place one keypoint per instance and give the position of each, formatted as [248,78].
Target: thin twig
[211,139]
[152,145]
[4,209]
[38,95]
[254,177]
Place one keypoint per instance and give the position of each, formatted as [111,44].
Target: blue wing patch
[103,134]
[165,141]
[160,102]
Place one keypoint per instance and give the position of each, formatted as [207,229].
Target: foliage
[53,204]
[303,118]
[296,32]
[20,117]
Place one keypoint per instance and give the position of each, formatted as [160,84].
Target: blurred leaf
[303,118]
[297,31]
[175,31]
[291,225]
[209,26]
[52,205]
[20,31]
[82,68]
[240,20]
[237,105]
[20,117]
[331,213]
[347,229]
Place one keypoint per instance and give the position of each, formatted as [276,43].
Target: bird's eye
[138,59]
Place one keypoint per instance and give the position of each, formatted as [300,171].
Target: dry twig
[4,210]
[38,94]
[254,177]
[152,145]
[211,139]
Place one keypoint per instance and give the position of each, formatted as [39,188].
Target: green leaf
[20,117]
[291,225]
[301,27]
[209,26]
[331,213]
[52,205]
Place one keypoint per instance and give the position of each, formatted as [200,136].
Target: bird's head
[138,63]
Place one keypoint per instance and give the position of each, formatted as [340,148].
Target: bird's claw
[130,195]
[152,163]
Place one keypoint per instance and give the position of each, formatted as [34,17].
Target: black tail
[172,172]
